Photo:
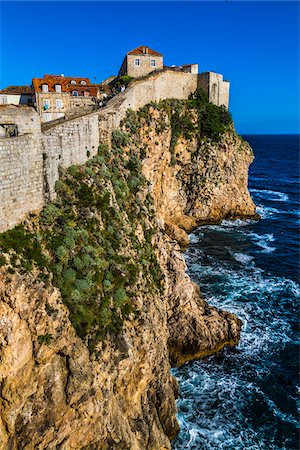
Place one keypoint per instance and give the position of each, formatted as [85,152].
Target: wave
[228,401]
[241,257]
[266,212]
[273,196]
[261,301]
[262,240]
[224,399]
[194,238]
[237,223]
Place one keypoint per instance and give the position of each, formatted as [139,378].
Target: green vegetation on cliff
[195,117]
[95,242]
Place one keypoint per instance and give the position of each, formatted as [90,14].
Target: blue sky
[254,44]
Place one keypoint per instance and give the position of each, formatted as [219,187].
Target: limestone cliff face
[55,392]
[198,181]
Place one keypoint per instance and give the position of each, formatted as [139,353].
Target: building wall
[53,112]
[203,81]
[25,117]
[144,68]
[216,88]
[224,93]
[193,68]
[6,99]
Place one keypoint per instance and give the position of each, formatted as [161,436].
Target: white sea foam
[245,294]
[266,212]
[193,238]
[222,426]
[237,223]
[242,258]
[272,196]
[262,241]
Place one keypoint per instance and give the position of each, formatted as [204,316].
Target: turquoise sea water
[248,398]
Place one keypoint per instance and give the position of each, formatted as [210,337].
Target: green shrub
[131,121]
[45,338]
[119,138]
[120,297]
[124,80]
[213,121]
[2,260]
[25,244]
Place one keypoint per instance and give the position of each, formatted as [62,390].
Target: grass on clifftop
[94,242]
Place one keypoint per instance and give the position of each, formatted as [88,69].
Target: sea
[248,397]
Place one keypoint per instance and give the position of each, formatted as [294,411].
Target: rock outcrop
[56,393]
[196,182]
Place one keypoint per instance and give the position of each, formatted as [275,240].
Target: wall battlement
[29,162]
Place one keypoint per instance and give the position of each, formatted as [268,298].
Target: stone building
[141,61]
[216,88]
[57,95]
[17,95]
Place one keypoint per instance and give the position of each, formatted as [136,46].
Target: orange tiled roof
[144,50]
[65,83]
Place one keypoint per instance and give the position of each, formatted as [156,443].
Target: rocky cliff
[95,300]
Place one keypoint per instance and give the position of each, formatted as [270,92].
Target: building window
[47,117]
[75,93]
[73,82]
[137,61]
[58,88]
[82,82]
[45,88]
[152,63]
[46,104]
[59,104]
[3,100]
[86,93]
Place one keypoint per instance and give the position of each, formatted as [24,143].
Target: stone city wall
[216,88]
[152,88]
[21,180]
[29,163]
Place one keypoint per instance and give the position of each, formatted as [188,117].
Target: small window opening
[8,130]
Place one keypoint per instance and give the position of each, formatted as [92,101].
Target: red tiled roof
[66,86]
[17,90]
[65,83]
[144,50]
